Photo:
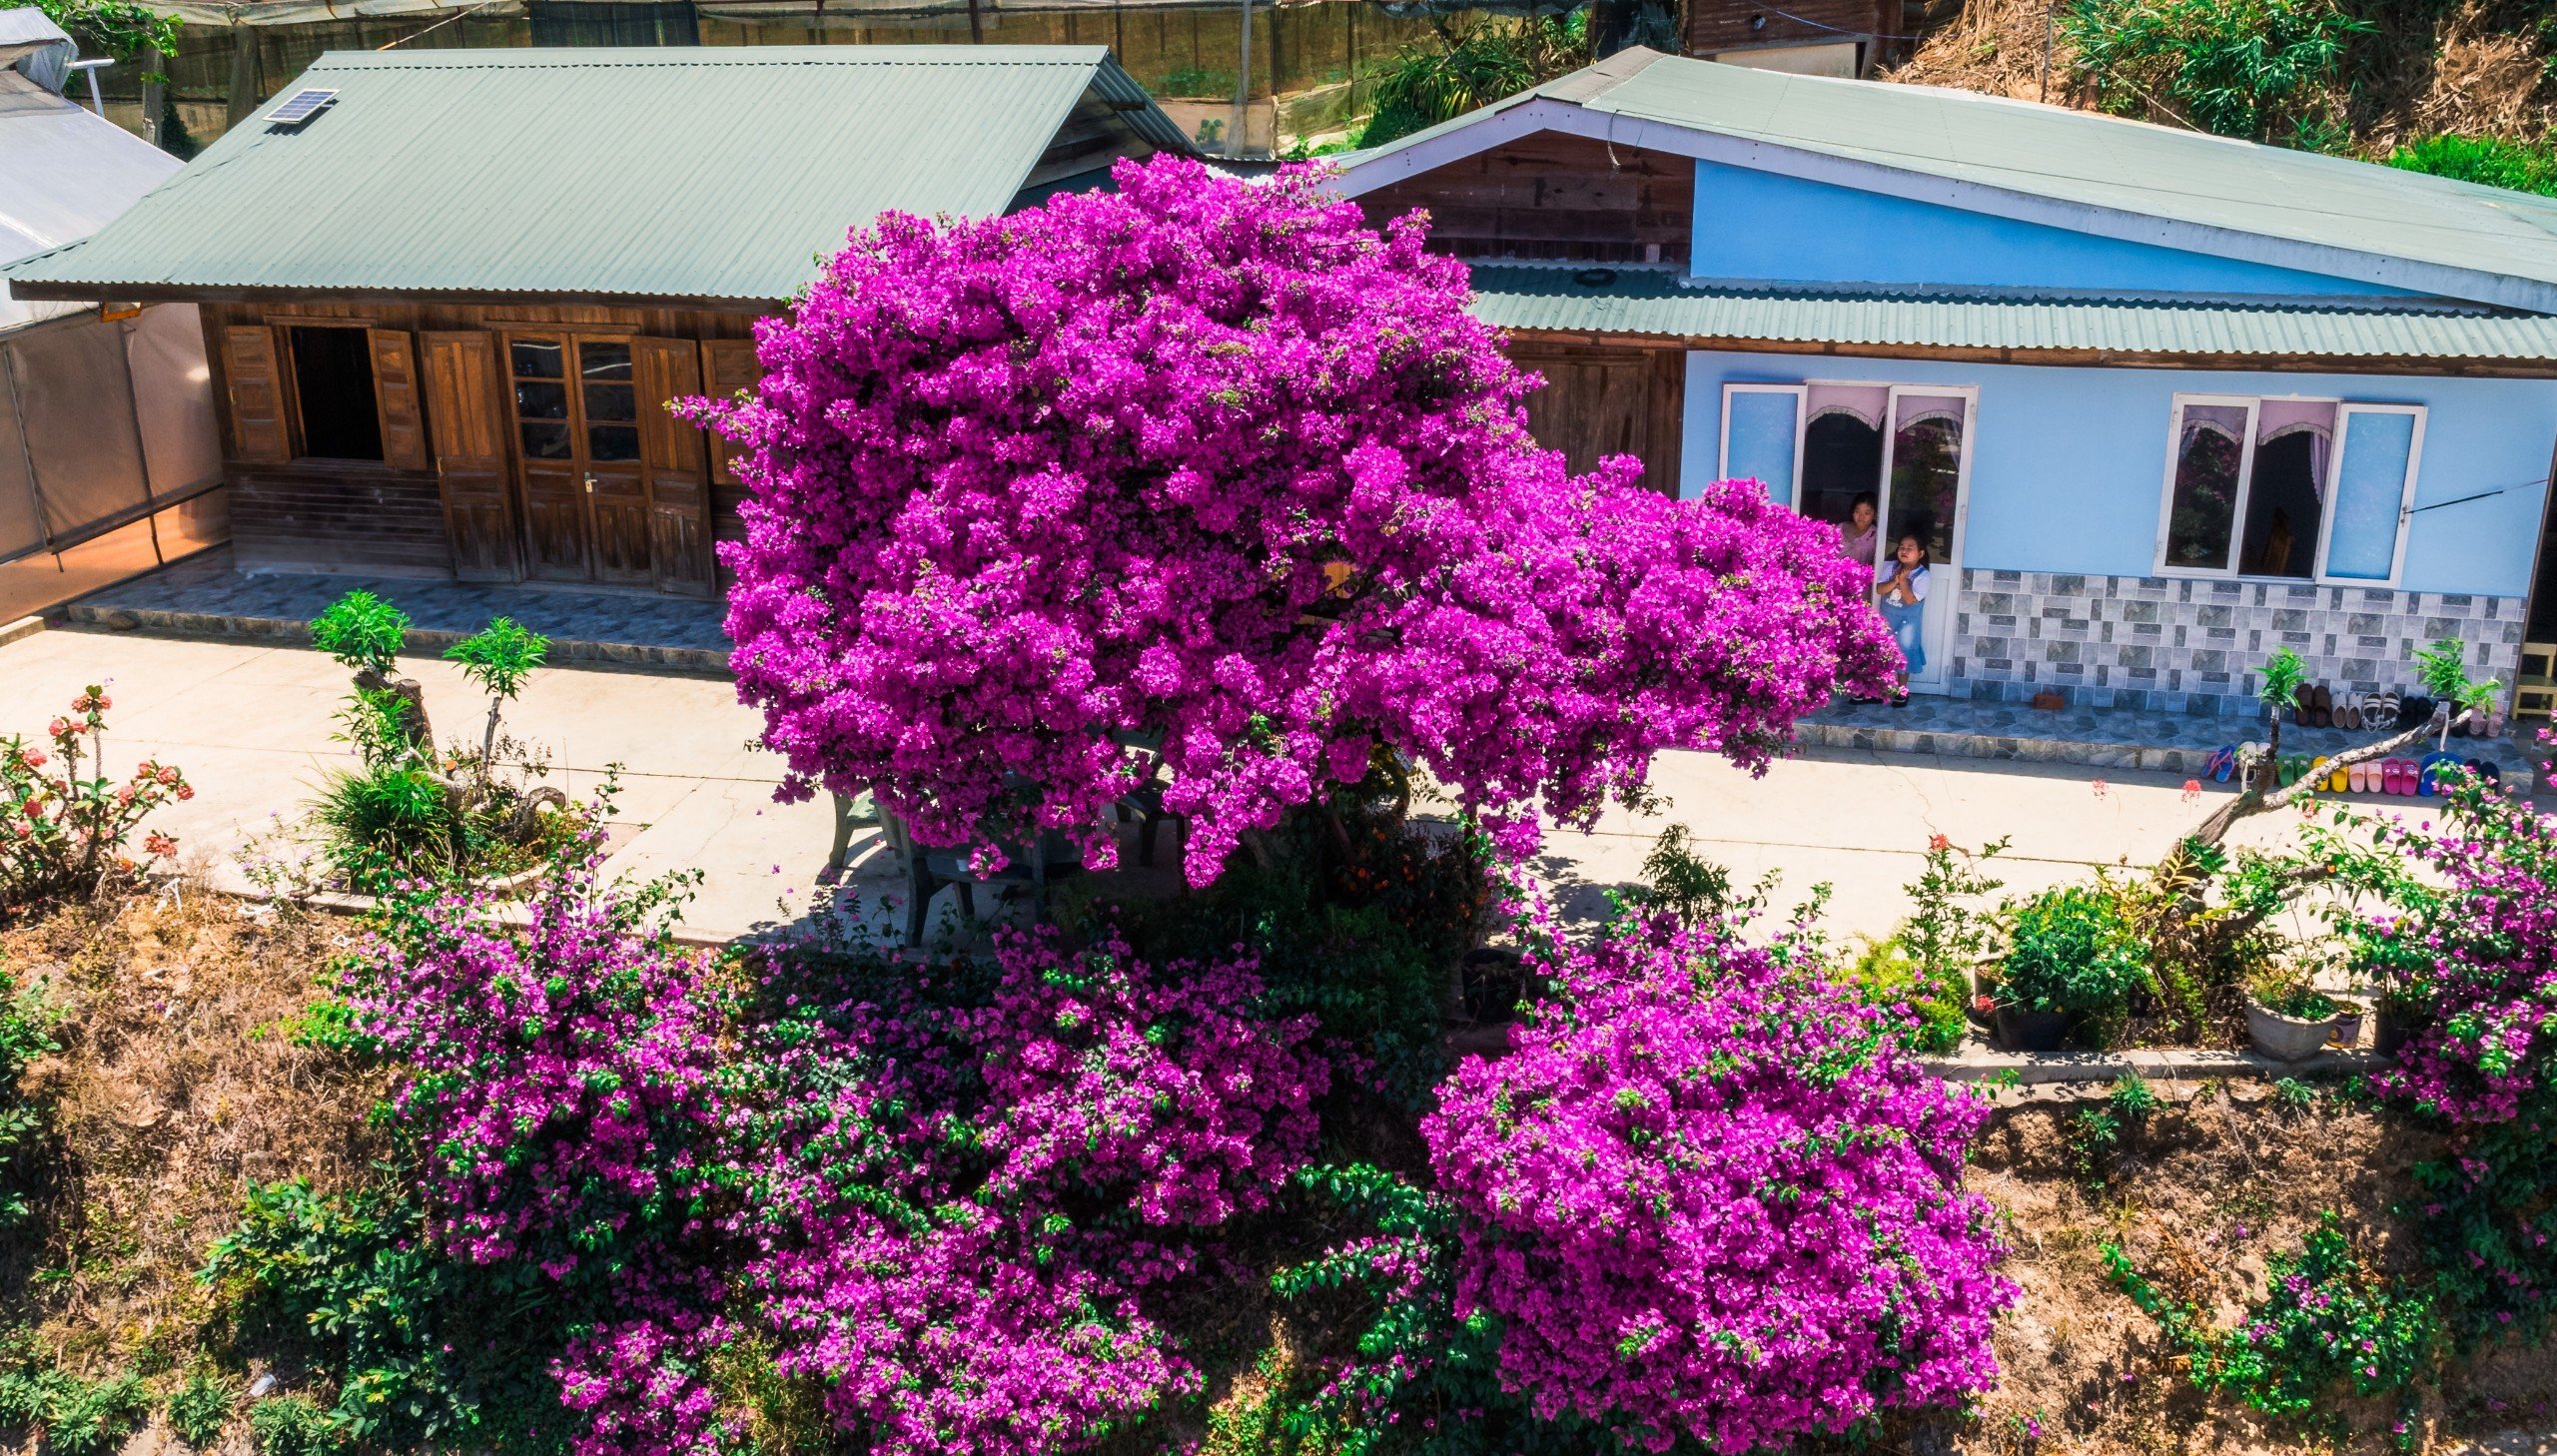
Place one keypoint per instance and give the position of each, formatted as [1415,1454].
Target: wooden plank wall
[1722,25]
[1551,195]
[337,514]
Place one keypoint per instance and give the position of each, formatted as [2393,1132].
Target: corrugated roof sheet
[686,173]
[1652,301]
[2073,157]
[64,173]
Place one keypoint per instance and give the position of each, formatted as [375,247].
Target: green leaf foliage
[362,632]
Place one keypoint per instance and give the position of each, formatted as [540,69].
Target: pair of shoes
[2358,778]
[1900,700]
[2221,763]
[2413,711]
[2316,707]
[2381,709]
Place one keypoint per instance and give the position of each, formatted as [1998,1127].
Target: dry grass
[177,1084]
[2217,1183]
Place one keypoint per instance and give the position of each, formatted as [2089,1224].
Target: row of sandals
[2405,777]
[2391,711]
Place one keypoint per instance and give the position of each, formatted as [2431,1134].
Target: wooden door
[253,377]
[469,419]
[557,537]
[395,396]
[616,478]
[728,368]
[672,451]
[1601,400]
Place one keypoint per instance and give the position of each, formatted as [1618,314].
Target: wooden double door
[607,487]
[1607,400]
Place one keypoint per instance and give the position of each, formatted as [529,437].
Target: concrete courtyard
[252,727]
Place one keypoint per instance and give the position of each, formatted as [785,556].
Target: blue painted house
[2155,402]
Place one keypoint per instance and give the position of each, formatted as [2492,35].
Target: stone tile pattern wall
[2193,646]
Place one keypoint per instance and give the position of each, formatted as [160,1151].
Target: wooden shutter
[394,394]
[470,422]
[728,366]
[678,472]
[255,379]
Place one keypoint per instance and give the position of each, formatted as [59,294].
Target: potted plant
[2404,1009]
[2070,957]
[2350,1013]
[2286,1018]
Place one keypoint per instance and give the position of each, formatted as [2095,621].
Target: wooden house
[447,294]
[2155,402]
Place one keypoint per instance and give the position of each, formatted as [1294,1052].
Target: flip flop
[2316,774]
[2324,714]
[2339,781]
[2388,777]
[2358,779]
[2222,764]
[2348,715]
[2428,773]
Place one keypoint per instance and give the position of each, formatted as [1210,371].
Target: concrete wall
[1767,225]
[2066,470]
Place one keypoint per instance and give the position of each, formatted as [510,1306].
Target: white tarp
[101,419]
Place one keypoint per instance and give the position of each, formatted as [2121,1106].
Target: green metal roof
[2069,168]
[1652,301]
[682,172]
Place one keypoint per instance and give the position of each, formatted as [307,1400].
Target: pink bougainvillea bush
[1216,469]
[1710,1200]
[2472,951]
[962,1213]
[952,1201]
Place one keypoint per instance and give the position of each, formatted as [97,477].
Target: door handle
[590,484]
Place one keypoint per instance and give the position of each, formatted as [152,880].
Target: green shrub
[2488,161]
[1682,882]
[289,1425]
[199,1410]
[2072,950]
[1432,81]
[424,1350]
[2258,68]
[2326,1324]
[76,1417]
[25,1034]
[93,1417]
[1886,974]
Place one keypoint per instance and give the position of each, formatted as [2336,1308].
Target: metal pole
[1243,85]
[2050,22]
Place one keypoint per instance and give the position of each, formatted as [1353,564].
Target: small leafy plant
[199,1410]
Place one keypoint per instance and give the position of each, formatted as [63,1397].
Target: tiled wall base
[2185,646]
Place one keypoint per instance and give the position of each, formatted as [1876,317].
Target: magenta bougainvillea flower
[1212,480]
[1709,1198]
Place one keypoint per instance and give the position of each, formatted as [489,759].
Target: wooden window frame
[288,384]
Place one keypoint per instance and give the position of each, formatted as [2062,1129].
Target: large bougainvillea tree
[1216,469]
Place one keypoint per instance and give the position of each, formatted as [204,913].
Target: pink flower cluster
[1710,1198]
[960,1212]
[2491,936]
[1211,482]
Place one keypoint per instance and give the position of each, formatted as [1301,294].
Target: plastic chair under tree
[927,868]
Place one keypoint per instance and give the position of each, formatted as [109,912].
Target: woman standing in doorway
[1902,596]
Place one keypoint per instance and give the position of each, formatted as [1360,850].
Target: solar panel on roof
[300,107]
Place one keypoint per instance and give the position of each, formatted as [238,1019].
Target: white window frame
[2344,413]
[1802,410]
[2253,406]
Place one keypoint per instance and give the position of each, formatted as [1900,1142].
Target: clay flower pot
[2285,1039]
